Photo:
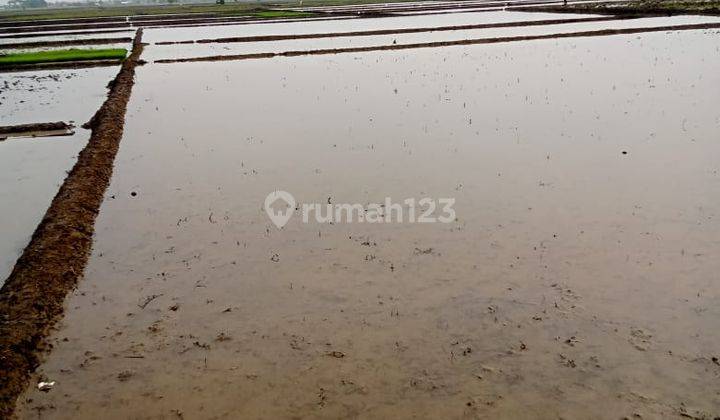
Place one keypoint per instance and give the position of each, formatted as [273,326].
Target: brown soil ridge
[20,128]
[31,300]
[260,38]
[60,65]
[68,42]
[602,32]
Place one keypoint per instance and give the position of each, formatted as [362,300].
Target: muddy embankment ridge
[260,38]
[60,65]
[48,129]
[31,300]
[583,34]
[21,128]
[67,42]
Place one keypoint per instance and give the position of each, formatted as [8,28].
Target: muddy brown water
[579,280]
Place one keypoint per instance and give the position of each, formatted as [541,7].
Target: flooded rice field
[31,170]
[65,36]
[573,276]
[63,47]
[419,7]
[159,52]
[348,25]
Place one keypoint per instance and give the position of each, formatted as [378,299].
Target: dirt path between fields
[31,300]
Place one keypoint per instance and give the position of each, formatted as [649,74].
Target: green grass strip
[52,56]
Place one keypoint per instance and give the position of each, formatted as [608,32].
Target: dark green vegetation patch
[53,56]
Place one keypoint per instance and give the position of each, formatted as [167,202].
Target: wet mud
[32,169]
[31,299]
[60,65]
[59,128]
[577,281]
[14,129]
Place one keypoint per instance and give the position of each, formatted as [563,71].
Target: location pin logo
[279,206]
